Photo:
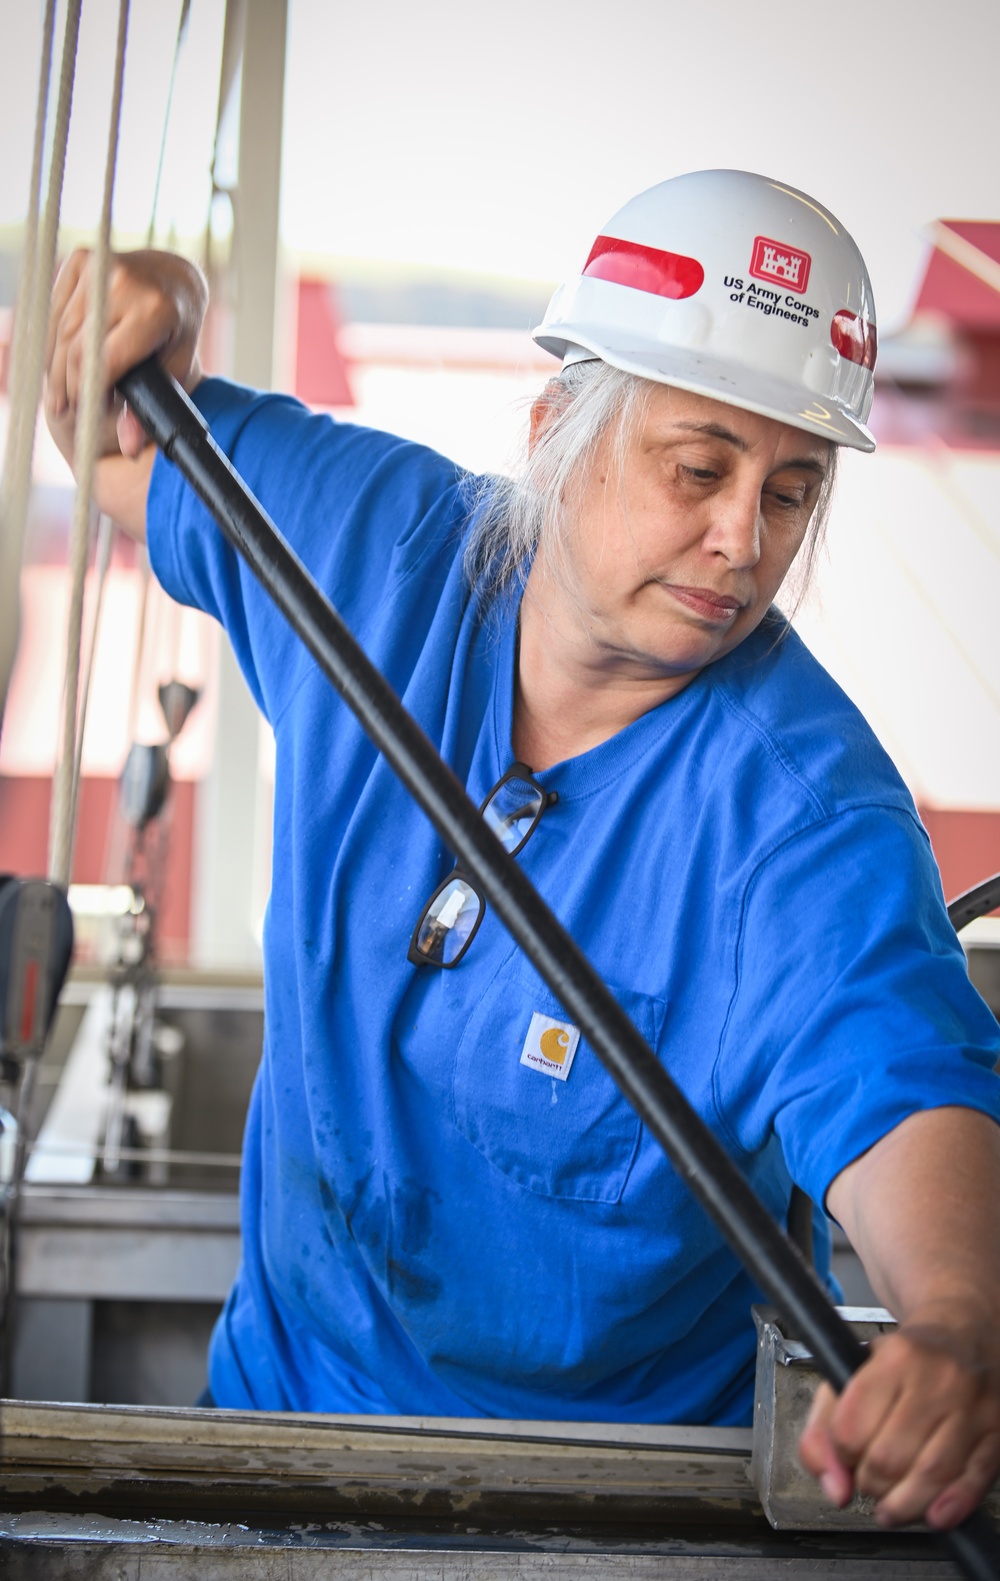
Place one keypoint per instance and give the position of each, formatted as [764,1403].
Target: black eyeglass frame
[517,771]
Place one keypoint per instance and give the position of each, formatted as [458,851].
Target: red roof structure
[321,375]
[939,381]
[962,282]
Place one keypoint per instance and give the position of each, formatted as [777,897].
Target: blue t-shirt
[431,1225]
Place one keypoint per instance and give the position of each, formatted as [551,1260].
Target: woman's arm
[918,1427]
[156,303]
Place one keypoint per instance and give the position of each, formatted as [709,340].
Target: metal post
[227,808]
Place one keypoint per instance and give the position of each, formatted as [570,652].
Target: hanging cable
[32,320]
[132,717]
[113,863]
[106,527]
[106,530]
[182,28]
[15,491]
[102,560]
[20,332]
[230,67]
[63,816]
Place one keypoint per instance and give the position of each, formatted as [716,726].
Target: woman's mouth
[716,607]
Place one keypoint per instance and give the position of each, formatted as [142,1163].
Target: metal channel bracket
[786,1381]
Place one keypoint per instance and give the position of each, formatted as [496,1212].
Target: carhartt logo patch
[550,1046]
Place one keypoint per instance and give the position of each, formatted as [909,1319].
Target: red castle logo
[775,261]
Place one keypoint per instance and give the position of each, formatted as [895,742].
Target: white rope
[116,830]
[30,328]
[15,486]
[106,528]
[135,690]
[19,342]
[63,817]
[102,560]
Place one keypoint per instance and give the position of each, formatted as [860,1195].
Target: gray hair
[511,515]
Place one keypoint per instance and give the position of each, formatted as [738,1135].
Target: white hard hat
[736,287]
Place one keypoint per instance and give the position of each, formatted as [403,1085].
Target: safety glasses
[449,921]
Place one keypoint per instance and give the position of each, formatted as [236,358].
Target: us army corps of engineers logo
[776,261]
[786,271]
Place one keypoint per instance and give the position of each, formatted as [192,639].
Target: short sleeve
[360,508]
[853,1008]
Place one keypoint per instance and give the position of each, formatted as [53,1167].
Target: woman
[447,1207]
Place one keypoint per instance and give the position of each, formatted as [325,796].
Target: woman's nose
[734,531]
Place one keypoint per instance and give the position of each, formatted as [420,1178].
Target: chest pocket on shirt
[575,1138]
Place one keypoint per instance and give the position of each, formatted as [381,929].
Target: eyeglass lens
[448,922]
[513,810]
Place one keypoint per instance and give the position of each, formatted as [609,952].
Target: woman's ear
[544,409]
[540,417]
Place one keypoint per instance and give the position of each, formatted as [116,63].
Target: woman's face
[676,560]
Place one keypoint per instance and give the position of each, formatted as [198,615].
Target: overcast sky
[501,137]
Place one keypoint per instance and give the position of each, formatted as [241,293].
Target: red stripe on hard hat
[644,268]
[854,338]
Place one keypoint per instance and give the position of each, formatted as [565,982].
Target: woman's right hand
[156,304]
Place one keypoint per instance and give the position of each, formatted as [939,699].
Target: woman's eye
[700,474]
[788,502]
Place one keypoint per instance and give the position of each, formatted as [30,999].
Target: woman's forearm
[922,1209]
[121,487]
[918,1426]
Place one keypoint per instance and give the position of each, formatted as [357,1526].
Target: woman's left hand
[918,1426]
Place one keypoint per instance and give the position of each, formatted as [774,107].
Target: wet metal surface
[33,1547]
[195,1462]
[112,1494]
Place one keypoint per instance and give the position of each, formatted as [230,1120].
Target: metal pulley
[36,942]
[144,783]
[145,779]
[176,701]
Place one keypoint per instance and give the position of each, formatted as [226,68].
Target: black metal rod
[177,427]
[975,903]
